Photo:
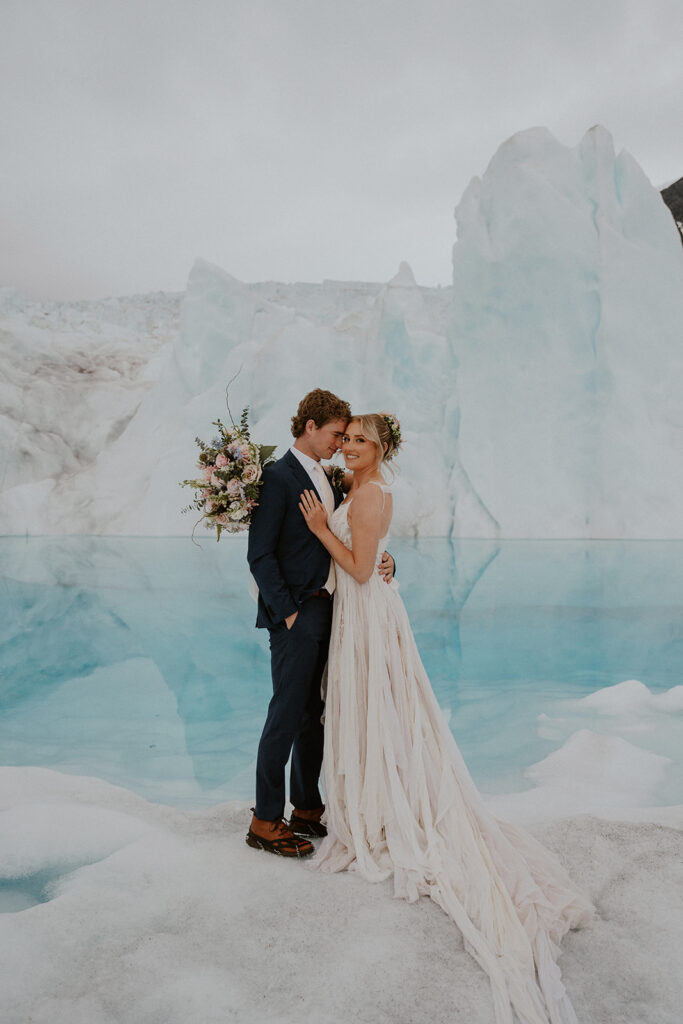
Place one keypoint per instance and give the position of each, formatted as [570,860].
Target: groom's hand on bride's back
[386,567]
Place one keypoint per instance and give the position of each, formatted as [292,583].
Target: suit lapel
[302,477]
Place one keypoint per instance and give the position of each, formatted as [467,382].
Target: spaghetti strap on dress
[401,803]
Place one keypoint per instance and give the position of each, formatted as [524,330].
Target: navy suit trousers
[298,657]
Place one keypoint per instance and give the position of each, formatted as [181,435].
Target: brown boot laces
[281,830]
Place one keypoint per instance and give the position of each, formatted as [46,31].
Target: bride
[400,800]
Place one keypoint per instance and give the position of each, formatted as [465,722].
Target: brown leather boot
[308,823]
[276,837]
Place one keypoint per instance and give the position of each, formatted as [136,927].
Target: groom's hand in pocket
[386,567]
[290,620]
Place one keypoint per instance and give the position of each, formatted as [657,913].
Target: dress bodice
[340,527]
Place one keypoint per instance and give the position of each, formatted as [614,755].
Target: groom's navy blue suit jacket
[287,561]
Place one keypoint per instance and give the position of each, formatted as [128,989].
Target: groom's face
[326,440]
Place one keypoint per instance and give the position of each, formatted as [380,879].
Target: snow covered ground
[116,909]
[540,395]
[161,916]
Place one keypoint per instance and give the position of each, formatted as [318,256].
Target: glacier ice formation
[539,395]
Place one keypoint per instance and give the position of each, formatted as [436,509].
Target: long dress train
[401,802]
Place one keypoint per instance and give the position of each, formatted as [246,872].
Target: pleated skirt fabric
[401,804]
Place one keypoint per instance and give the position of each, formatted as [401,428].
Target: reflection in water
[137,660]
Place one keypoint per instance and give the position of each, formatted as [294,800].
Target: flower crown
[395,430]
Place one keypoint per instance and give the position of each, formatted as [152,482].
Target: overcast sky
[298,139]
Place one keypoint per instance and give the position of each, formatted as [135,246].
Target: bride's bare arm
[359,560]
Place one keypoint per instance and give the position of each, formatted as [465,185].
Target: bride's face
[358,451]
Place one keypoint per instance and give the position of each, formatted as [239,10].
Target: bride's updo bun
[384,430]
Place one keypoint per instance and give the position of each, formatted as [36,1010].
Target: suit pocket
[294,624]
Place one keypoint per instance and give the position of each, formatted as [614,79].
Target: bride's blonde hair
[375,427]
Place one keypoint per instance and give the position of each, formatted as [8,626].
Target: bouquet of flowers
[231,467]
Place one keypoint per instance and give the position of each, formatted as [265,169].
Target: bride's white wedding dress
[401,802]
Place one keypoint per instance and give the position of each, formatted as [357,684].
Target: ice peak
[597,152]
[531,144]
[203,271]
[404,278]
[599,138]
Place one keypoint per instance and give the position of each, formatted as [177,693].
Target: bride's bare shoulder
[370,491]
[368,498]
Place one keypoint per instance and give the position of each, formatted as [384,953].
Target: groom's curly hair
[321,407]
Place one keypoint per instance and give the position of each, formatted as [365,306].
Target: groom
[296,581]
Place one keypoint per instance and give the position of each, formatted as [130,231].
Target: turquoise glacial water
[136,660]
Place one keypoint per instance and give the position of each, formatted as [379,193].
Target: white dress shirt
[324,488]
